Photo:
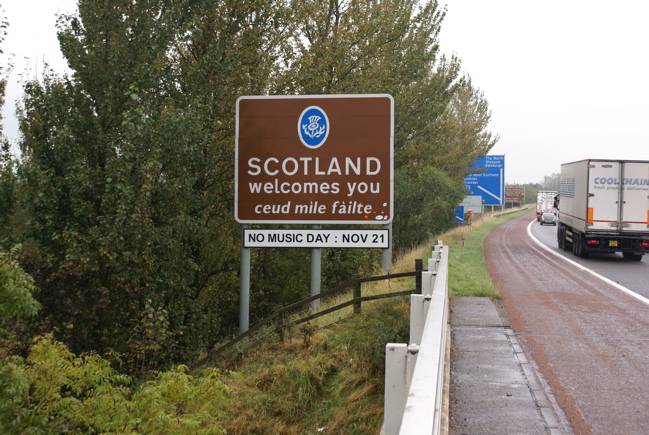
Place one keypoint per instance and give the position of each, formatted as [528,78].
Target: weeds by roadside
[327,376]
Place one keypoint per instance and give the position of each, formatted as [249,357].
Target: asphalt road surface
[587,335]
[633,275]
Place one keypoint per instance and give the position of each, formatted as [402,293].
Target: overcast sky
[30,40]
[565,79]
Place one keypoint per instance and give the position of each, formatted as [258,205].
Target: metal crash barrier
[415,373]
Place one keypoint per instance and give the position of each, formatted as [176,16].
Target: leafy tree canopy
[126,179]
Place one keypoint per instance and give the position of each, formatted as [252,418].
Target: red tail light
[592,242]
[644,245]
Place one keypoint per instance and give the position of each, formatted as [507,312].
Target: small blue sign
[459,214]
[490,181]
[313,127]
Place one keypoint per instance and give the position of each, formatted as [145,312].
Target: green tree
[16,289]
[465,123]
[127,164]
[347,46]
[102,157]
[8,186]
[128,172]
[424,206]
[438,154]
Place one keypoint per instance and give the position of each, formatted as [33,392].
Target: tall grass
[318,379]
[327,376]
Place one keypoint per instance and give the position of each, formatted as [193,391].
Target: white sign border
[314,221]
[317,238]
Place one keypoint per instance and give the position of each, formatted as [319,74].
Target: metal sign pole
[386,254]
[244,285]
[316,272]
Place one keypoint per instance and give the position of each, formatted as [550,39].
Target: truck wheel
[631,256]
[578,247]
[561,236]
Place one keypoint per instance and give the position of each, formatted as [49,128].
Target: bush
[54,391]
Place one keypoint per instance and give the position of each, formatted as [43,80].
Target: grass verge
[327,376]
[468,275]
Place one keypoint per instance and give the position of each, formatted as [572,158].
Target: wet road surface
[588,340]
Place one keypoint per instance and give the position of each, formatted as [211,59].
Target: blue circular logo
[313,127]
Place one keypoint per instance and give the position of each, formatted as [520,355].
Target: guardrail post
[418,309]
[356,293]
[433,262]
[428,282]
[395,387]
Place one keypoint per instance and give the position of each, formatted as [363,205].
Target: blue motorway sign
[490,181]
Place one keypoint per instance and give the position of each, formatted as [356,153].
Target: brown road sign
[514,194]
[314,159]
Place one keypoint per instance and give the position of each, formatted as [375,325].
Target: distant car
[548,218]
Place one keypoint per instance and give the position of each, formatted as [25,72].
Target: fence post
[356,293]
[419,266]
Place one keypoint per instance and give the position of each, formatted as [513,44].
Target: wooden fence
[278,321]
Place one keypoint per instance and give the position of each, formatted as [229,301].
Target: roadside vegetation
[325,376]
[120,251]
[122,193]
[328,376]
[468,275]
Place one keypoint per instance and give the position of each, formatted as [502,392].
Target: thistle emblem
[313,127]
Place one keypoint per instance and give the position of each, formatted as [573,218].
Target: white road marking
[585,269]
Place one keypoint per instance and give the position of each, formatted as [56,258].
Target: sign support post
[316,272]
[244,285]
[386,254]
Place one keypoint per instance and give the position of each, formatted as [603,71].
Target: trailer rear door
[618,198]
[603,211]
[635,197]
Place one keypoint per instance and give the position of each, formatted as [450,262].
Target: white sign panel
[473,202]
[312,238]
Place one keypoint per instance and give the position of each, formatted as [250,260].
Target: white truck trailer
[545,202]
[604,207]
